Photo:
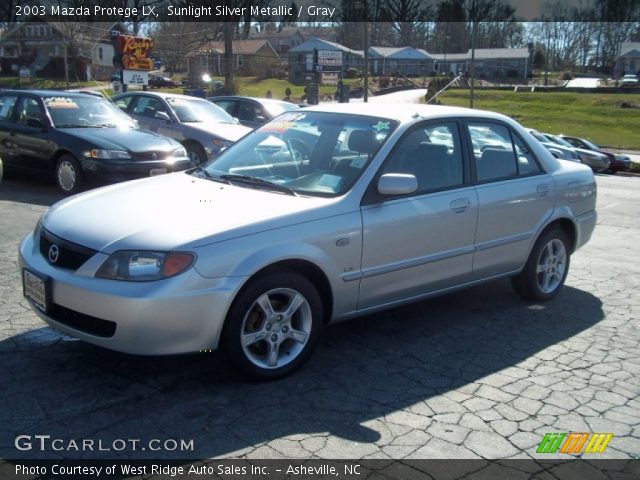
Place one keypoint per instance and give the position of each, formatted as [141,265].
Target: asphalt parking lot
[478,373]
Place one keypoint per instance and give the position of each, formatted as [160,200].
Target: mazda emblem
[54,253]
[154,155]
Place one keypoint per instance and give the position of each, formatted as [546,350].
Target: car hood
[174,212]
[131,139]
[226,131]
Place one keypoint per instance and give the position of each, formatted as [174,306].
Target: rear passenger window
[499,153]
[433,154]
[7,104]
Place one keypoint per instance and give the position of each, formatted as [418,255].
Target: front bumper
[122,170]
[181,314]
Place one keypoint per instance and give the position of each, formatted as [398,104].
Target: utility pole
[366,55]
[473,51]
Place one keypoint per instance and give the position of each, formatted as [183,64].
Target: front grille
[81,322]
[155,155]
[69,255]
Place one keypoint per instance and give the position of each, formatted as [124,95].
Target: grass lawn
[598,117]
[44,83]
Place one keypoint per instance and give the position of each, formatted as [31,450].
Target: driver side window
[433,154]
[148,106]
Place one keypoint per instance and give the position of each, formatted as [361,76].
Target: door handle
[460,205]
[542,189]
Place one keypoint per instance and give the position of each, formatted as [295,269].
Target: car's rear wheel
[196,153]
[547,267]
[273,325]
[68,175]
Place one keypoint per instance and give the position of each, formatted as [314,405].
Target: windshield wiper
[71,125]
[203,172]
[259,182]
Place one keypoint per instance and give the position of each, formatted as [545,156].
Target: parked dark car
[619,163]
[80,138]
[163,82]
[252,111]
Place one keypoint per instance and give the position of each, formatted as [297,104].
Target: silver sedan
[318,216]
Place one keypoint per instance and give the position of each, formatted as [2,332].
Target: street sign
[135,77]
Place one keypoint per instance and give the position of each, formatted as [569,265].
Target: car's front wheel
[68,175]
[273,325]
[196,153]
[547,267]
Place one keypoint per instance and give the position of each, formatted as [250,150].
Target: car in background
[629,80]
[597,161]
[203,128]
[163,82]
[253,111]
[80,138]
[558,151]
[618,162]
[1,169]
[389,207]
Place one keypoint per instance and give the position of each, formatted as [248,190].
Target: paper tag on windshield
[328,180]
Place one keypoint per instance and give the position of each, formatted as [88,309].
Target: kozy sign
[135,52]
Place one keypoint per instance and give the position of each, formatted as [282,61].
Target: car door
[515,197]
[8,145]
[34,147]
[422,242]
[147,110]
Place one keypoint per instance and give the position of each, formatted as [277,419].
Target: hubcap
[552,264]
[66,176]
[276,328]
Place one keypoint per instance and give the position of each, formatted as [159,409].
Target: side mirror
[397,184]
[162,116]
[35,123]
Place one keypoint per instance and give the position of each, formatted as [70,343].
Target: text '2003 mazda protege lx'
[319,215]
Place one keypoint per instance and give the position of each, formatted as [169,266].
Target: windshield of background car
[310,153]
[85,111]
[195,111]
[275,107]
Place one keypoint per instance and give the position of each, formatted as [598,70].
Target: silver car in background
[598,162]
[318,216]
[201,127]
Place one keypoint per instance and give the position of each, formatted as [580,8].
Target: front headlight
[107,154]
[143,266]
[179,152]
[221,143]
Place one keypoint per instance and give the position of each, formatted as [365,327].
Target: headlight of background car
[141,266]
[220,144]
[107,154]
[179,152]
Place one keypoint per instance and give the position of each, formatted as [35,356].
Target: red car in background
[619,162]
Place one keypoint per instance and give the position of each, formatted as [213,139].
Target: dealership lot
[478,373]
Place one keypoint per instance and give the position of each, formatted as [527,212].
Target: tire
[196,153]
[261,338]
[546,269]
[68,175]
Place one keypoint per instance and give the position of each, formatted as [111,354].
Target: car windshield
[306,153]
[276,107]
[590,145]
[86,111]
[558,140]
[539,137]
[196,111]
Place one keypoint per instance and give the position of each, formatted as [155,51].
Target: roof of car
[160,94]
[405,112]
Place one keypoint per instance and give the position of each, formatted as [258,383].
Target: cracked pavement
[478,373]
